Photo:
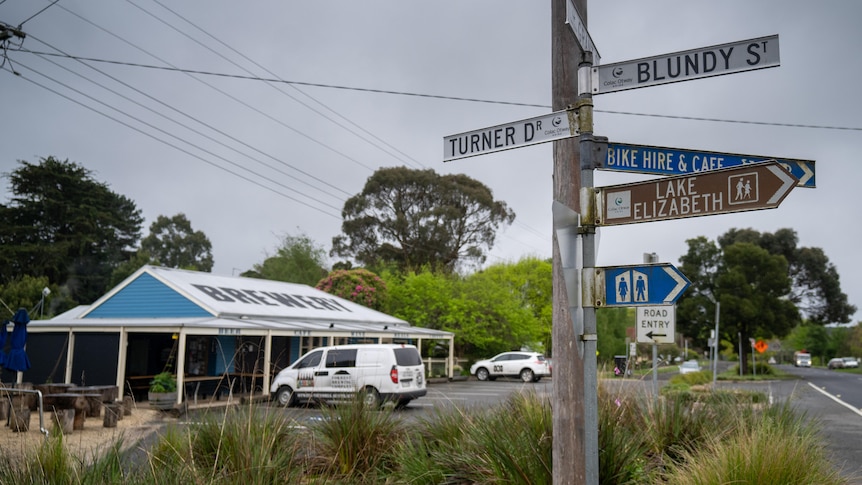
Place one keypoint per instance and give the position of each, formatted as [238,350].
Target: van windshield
[407,356]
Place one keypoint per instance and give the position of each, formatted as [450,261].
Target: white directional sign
[711,61]
[656,324]
[549,127]
[573,18]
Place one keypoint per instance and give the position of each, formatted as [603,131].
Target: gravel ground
[83,444]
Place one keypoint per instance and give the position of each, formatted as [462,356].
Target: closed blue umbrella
[3,332]
[17,359]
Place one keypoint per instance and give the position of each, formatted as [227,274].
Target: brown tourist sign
[746,188]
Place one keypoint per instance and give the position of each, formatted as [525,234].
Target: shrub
[777,448]
[163,382]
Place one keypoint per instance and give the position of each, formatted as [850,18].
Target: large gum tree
[418,218]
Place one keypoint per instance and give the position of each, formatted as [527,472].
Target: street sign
[761,346]
[678,161]
[573,18]
[745,188]
[656,324]
[650,284]
[745,55]
[549,127]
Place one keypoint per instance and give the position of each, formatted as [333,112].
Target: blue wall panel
[147,297]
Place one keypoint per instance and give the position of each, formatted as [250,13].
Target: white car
[527,366]
[689,366]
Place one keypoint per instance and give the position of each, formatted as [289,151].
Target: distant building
[218,334]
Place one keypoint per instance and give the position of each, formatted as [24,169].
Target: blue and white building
[218,334]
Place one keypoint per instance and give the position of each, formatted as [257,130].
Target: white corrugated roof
[237,296]
[246,304]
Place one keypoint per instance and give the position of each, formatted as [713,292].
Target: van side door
[340,370]
[306,369]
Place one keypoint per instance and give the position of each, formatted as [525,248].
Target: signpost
[638,285]
[745,188]
[582,35]
[656,324]
[540,129]
[740,56]
[678,161]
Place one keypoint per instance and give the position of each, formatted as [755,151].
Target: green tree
[357,285]
[128,267]
[63,224]
[505,307]
[815,284]
[417,218]
[811,338]
[27,292]
[298,260]
[174,244]
[750,283]
[611,325]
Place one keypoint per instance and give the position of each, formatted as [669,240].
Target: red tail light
[393,374]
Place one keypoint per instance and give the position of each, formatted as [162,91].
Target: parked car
[689,366]
[850,362]
[836,363]
[384,372]
[528,366]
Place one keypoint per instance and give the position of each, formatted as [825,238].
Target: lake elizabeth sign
[746,188]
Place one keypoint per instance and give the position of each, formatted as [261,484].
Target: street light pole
[715,346]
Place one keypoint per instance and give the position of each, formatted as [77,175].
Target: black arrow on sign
[653,335]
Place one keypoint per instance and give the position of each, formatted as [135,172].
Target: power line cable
[37,13]
[172,145]
[456,98]
[198,132]
[66,55]
[234,98]
[276,87]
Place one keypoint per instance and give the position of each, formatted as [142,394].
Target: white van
[384,372]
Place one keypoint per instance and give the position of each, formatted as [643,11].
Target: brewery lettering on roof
[270,298]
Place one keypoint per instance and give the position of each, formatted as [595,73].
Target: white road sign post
[541,129]
[745,55]
[656,324]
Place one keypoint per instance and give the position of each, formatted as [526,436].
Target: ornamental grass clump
[242,445]
[776,449]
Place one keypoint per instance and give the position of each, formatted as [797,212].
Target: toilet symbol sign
[649,284]
[632,287]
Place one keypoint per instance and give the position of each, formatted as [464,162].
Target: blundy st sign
[656,324]
[650,284]
[745,55]
[677,161]
[549,127]
[745,188]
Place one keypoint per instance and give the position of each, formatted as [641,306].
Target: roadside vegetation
[690,435]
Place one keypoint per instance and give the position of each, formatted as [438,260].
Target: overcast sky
[250,161]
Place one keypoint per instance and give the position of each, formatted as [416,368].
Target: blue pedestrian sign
[650,284]
[678,161]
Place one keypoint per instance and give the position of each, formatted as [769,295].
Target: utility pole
[569,426]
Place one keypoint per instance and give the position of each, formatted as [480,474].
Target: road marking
[830,396]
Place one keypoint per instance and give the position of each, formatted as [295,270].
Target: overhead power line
[439,96]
